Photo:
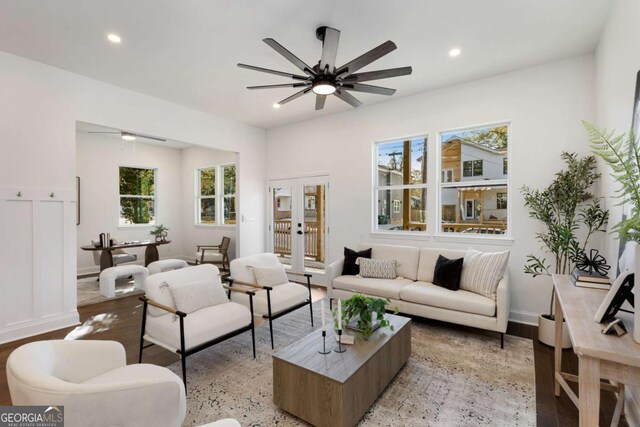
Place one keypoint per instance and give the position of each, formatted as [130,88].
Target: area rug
[455,377]
[89,290]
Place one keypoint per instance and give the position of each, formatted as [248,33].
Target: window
[137,196]
[400,191]
[474,200]
[229,184]
[216,196]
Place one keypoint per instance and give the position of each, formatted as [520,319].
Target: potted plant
[359,309]
[622,154]
[160,232]
[571,214]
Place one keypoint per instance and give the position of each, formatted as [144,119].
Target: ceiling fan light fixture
[128,136]
[323,87]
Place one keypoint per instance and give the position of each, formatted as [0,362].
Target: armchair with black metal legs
[270,302]
[199,329]
[214,254]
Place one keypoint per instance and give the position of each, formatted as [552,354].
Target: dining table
[106,256]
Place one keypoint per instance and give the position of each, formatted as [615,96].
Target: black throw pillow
[350,256]
[448,272]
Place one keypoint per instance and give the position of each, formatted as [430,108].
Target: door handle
[300,232]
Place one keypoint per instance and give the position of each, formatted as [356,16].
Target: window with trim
[137,196]
[400,190]
[474,199]
[216,195]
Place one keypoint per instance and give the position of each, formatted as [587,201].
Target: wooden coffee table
[337,389]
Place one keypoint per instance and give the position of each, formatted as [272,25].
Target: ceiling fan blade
[378,90]
[380,74]
[295,96]
[320,99]
[277,73]
[290,56]
[278,86]
[347,97]
[366,59]
[150,137]
[104,132]
[329,50]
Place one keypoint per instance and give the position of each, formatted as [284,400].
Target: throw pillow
[377,268]
[448,273]
[350,268]
[271,275]
[193,296]
[482,271]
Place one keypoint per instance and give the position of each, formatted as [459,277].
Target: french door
[298,226]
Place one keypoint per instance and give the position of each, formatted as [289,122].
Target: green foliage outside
[137,182]
[570,213]
[496,138]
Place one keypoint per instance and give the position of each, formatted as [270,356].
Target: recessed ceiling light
[114,38]
[455,52]
[276,105]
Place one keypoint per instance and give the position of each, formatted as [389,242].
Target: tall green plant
[568,209]
[622,154]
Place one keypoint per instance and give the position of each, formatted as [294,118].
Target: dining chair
[214,254]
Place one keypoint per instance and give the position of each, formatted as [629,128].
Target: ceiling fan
[129,136]
[325,78]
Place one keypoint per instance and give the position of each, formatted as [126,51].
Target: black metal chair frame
[275,316]
[183,352]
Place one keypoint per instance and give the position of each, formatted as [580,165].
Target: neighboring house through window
[137,196]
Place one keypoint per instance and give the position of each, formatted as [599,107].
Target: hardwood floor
[119,320]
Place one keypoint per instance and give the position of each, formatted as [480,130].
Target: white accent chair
[120,256]
[166,264]
[95,385]
[185,334]
[270,302]
[108,278]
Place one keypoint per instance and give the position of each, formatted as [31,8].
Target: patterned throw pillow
[377,268]
[482,271]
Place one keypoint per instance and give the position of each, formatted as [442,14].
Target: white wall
[193,234]
[98,160]
[617,63]
[545,105]
[38,113]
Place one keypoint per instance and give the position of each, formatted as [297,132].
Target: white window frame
[448,174]
[156,219]
[219,196]
[377,188]
[439,235]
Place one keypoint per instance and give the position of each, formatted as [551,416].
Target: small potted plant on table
[160,232]
[358,314]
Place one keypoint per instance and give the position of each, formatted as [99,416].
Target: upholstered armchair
[271,300]
[94,384]
[214,254]
[185,331]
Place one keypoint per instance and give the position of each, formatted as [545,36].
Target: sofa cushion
[377,268]
[435,296]
[482,271]
[407,257]
[448,272]
[429,258]
[349,267]
[384,288]
[200,326]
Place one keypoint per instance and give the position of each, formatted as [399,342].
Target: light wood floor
[119,320]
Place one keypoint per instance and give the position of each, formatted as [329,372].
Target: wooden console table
[106,257]
[609,357]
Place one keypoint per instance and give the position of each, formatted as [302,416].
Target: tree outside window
[216,201]
[137,196]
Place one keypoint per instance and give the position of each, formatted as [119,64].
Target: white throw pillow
[193,296]
[270,276]
[481,272]
[377,268]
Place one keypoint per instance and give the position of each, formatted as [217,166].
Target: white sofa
[414,293]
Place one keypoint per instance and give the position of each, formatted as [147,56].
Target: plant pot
[547,332]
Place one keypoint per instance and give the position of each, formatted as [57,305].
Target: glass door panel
[314,228]
[282,216]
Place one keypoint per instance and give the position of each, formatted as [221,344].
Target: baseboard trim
[40,326]
[525,317]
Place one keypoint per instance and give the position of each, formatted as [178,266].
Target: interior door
[299,227]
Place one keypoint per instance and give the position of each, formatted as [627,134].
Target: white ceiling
[186,51]
[115,135]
